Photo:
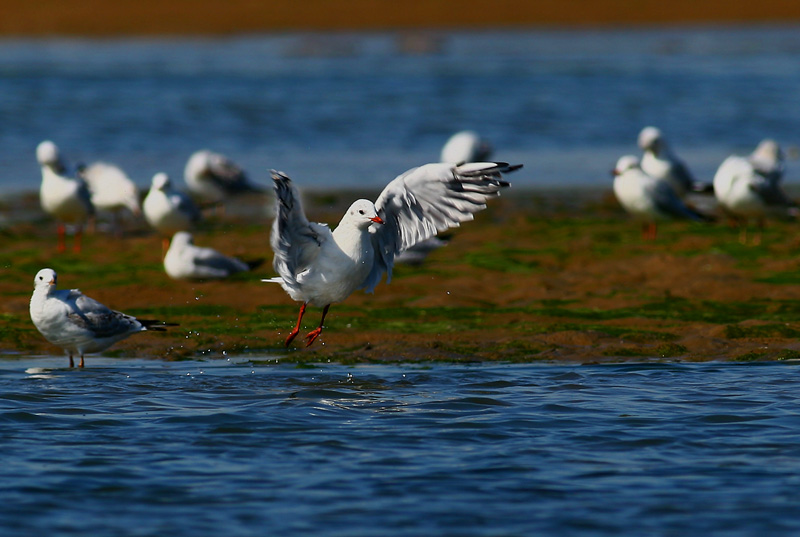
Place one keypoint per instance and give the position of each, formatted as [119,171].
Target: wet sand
[540,276]
[207,17]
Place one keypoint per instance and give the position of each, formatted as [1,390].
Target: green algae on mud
[540,276]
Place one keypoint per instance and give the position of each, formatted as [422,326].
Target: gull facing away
[320,267]
[465,146]
[213,178]
[648,199]
[660,162]
[111,189]
[168,210]
[79,324]
[749,187]
[185,261]
[65,198]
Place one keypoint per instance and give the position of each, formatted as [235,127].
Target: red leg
[296,330]
[314,334]
[76,245]
[62,241]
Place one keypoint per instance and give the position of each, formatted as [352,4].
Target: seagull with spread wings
[318,267]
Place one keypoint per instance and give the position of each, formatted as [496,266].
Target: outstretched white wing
[295,241]
[426,200]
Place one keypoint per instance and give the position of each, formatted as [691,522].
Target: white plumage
[77,323]
[750,187]
[212,177]
[65,198]
[646,198]
[168,210]
[320,267]
[185,261]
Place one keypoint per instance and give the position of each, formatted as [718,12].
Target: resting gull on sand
[185,261]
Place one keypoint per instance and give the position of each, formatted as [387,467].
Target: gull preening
[318,267]
[212,177]
[750,187]
[185,261]
[79,324]
[465,146]
[660,162]
[67,199]
[648,199]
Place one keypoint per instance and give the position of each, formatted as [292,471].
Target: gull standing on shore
[750,188]
[320,267]
[660,162]
[185,261]
[648,199]
[65,198]
[79,324]
[213,178]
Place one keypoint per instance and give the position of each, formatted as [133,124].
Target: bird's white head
[198,163]
[47,153]
[45,278]
[650,138]
[160,181]
[182,238]
[362,213]
[768,151]
[625,163]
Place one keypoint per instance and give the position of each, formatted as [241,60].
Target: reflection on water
[357,109]
[236,447]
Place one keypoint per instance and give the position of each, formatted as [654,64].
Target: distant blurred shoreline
[208,17]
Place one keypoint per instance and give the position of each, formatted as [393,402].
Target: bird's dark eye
[360,212]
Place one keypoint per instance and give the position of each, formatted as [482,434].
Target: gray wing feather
[295,241]
[668,202]
[98,318]
[228,176]
[769,189]
[683,175]
[426,200]
[212,263]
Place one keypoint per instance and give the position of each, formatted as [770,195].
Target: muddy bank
[540,276]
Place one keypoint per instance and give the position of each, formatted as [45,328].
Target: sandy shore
[182,17]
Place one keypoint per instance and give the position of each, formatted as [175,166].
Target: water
[139,447]
[346,110]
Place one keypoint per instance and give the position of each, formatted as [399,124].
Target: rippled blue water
[234,447]
[358,109]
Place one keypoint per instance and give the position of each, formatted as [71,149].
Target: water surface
[352,109]
[241,447]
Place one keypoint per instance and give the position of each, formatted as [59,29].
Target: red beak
[377,220]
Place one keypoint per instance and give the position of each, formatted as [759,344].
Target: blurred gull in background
[213,178]
[660,162]
[67,199]
[648,199]
[112,190]
[465,146]
[168,210]
[749,188]
[185,261]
